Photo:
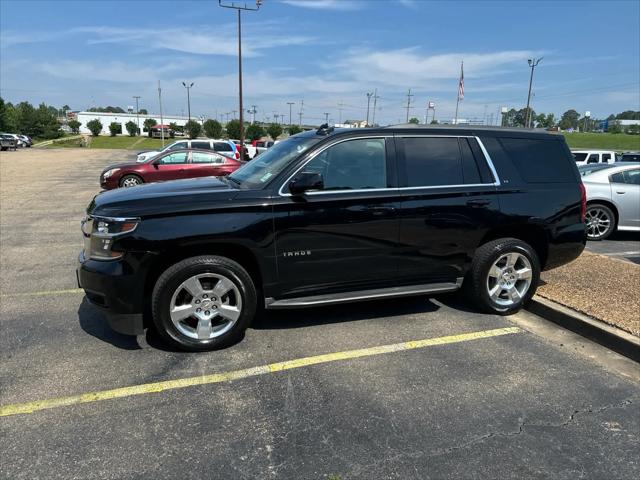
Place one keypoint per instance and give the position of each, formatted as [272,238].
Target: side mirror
[306,181]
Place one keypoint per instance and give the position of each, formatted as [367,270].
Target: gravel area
[603,288]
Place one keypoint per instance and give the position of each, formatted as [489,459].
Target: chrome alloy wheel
[598,222]
[130,182]
[205,306]
[509,279]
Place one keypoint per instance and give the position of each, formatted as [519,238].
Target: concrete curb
[611,337]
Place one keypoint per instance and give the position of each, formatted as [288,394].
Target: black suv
[333,216]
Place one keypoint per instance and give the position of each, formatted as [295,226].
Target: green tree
[114,128]
[212,128]
[293,129]
[3,116]
[192,128]
[47,122]
[27,118]
[569,120]
[95,127]
[233,129]
[274,130]
[175,127]
[132,128]
[434,122]
[614,127]
[633,130]
[254,132]
[414,120]
[628,115]
[149,123]
[74,125]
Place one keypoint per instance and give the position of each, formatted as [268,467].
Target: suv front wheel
[203,303]
[504,276]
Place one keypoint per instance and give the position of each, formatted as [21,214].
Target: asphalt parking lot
[520,399]
[621,245]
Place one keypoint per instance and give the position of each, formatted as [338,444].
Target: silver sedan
[613,200]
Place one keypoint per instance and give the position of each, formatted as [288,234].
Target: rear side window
[201,145]
[630,157]
[222,147]
[432,161]
[631,177]
[539,161]
[606,157]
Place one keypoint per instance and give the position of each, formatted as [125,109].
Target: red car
[170,165]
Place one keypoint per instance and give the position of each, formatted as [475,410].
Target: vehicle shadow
[93,321]
[349,312]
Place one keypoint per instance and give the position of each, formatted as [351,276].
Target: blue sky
[327,52]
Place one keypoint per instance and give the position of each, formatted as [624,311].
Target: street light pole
[326,118]
[239,8]
[137,115]
[369,95]
[533,63]
[188,87]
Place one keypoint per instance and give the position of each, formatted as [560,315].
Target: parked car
[170,165]
[223,147]
[630,157]
[27,142]
[335,216]
[19,141]
[593,167]
[613,200]
[8,142]
[584,157]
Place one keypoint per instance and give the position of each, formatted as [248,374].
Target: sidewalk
[601,287]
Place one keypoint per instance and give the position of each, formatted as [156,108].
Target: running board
[346,297]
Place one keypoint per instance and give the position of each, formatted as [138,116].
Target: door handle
[478,203]
[380,210]
[621,192]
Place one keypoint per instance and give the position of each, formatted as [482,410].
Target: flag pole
[455,122]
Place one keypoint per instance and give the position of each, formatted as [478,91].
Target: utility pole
[300,113]
[369,95]
[253,112]
[161,117]
[137,115]
[408,104]
[275,115]
[326,117]
[233,114]
[291,104]
[375,101]
[533,63]
[241,109]
[340,105]
[188,87]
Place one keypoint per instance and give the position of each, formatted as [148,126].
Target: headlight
[100,233]
[110,172]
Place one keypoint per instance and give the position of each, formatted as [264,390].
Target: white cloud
[196,39]
[407,67]
[326,4]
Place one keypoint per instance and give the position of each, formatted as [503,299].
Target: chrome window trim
[318,152]
[495,183]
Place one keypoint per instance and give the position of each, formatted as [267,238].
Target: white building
[122,118]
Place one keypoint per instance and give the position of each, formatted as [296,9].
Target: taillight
[237,155]
[583,202]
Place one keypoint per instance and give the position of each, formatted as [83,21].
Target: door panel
[626,194]
[171,166]
[346,236]
[449,205]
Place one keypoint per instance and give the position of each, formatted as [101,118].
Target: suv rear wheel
[504,276]
[203,303]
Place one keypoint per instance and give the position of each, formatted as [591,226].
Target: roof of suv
[470,130]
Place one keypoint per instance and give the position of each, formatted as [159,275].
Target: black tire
[603,213]
[130,178]
[175,275]
[476,284]
[3,149]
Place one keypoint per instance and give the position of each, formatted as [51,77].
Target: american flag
[461,83]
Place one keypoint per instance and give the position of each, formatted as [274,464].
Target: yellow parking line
[42,293]
[30,407]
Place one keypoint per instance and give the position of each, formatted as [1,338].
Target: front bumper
[114,287]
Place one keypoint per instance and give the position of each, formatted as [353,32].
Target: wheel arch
[534,235]
[238,253]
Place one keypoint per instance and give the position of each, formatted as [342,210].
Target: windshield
[580,157]
[267,165]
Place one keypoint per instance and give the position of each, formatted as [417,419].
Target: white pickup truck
[585,157]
